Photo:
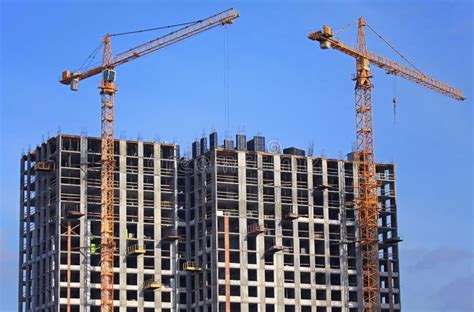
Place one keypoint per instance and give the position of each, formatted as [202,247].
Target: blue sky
[280,84]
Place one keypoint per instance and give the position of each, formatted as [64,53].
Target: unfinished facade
[289,220]
[60,187]
[292,233]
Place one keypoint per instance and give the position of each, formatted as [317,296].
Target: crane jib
[391,67]
[223,18]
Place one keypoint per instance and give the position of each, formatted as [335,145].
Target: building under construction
[233,228]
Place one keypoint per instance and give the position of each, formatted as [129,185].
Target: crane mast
[367,199]
[107,92]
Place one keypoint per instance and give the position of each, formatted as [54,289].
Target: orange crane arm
[225,17]
[326,41]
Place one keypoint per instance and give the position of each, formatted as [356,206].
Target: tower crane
[107,92]
[367,201]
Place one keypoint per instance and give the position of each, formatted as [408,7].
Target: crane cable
[155,28]
[394,100]
[87,62]
[392,47]
[226,82]
[338,31]
[343,28]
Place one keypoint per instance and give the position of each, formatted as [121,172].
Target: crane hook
[394,100]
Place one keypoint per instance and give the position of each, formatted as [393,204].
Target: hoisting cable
[226,82]
[394,100]
[392,47]
[156,28]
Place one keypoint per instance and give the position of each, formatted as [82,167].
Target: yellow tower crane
[107,92]
[367,201]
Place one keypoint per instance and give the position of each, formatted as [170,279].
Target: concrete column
[141,243]
[312,239]
[123,225]
[242,174]
[174,244]
[200,216]
[157,218]
[49,240]
[39,205]
[278,257]
[58,226]
[35,243]
[195,204]
[296,241]
[344,239]
[326,233]
[28,234]
[214,236]
[261,238]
